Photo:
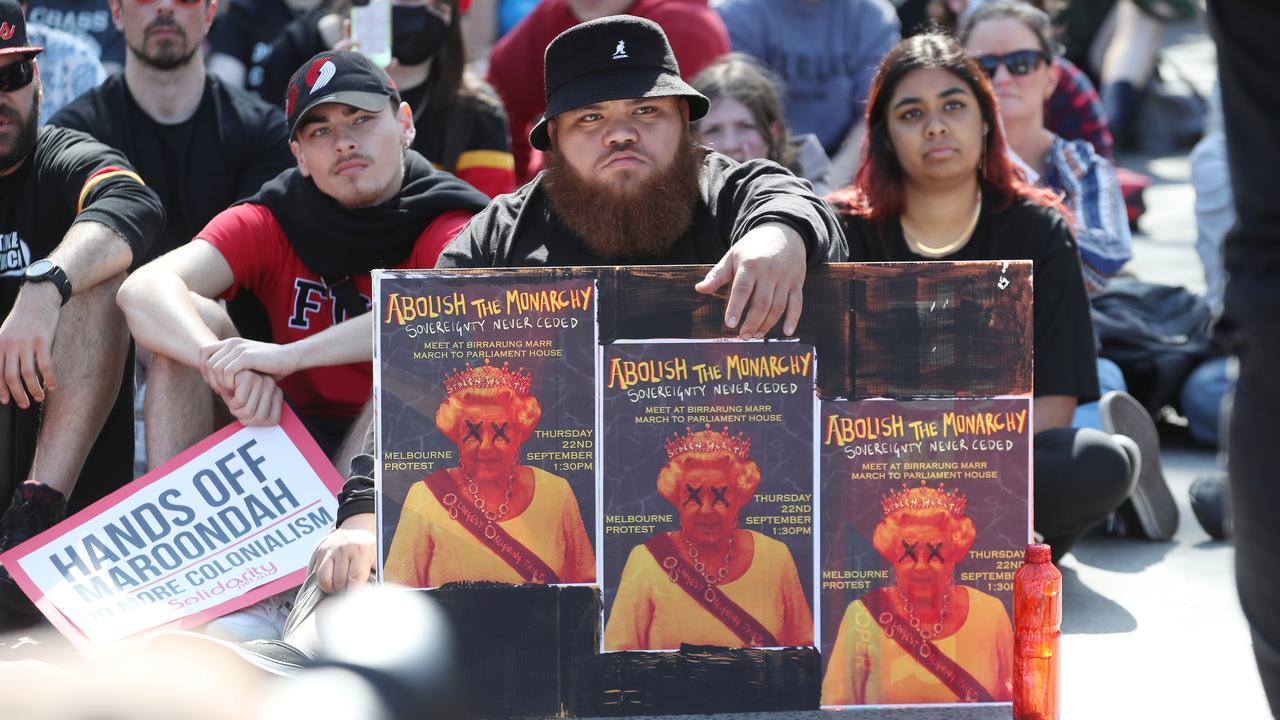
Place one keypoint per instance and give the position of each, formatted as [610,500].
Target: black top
[1065,356]
[473,121]
[38,203]
[296,43]
[246,32]
[522,230]
[223,153]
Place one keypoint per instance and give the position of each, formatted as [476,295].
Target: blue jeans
[1201,398]
[1109,378]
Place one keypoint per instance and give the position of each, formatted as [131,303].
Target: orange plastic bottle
[1037,621]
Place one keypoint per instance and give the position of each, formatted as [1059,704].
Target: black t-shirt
[247,31]
[41,199]
[523,230]
[1065,357]
[223,153]
[297,42]
[473,121]
[69,178]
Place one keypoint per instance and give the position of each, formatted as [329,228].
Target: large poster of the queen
[486,429]
[708,494]
[925,512]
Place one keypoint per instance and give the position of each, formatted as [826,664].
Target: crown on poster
[924,498]
[709,440]
[488,376]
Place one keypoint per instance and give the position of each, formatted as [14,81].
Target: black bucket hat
[613,58]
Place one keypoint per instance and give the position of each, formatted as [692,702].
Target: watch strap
[59,279]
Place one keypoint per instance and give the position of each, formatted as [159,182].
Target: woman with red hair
[936,184]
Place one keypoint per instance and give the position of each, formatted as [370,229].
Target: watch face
[39,268]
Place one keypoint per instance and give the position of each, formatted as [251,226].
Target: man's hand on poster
[255,399]
[221,361]
[344,558]
[767,268]
[26,345]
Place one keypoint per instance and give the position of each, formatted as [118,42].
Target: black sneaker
[35,507]
[1211,504]
[1152,502]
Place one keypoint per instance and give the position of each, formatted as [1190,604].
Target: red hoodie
[696,34]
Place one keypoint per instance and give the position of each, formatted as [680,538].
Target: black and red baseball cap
[336,76]
[13,31]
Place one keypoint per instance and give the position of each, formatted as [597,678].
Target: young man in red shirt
[358,199]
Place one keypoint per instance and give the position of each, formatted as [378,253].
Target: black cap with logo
[336,76]
[613,58]
[13,31]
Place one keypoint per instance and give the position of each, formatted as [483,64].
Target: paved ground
[1155,630]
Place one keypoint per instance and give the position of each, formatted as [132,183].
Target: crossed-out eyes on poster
[530,433]
[924,517]
[228,522]
[486,408]
[708,466]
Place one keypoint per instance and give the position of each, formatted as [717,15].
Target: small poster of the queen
[486,426]
[924,516]
[708,487]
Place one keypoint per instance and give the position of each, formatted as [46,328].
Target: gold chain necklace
[936,252]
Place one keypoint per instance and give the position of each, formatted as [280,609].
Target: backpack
[1157,334]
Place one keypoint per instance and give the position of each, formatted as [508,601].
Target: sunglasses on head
[17,76]
[1019,62]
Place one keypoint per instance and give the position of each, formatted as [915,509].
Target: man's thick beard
[25,140]
[642,221]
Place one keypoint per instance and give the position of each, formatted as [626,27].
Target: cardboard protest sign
[229,522]
[486,428]
[708,443]
[923,524]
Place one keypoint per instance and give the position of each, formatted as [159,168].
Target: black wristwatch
[48,271]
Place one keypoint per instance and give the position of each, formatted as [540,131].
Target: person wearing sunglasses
[1012,42]
[74,216]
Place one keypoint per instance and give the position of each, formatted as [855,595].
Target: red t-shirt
[297,301]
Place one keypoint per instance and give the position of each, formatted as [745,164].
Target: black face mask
[417,32]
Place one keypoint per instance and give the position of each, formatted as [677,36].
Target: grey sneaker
[1151,500]
[1211,504]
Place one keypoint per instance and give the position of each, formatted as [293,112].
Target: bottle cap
[1037,553]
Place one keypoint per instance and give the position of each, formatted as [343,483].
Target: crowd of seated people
[205,181]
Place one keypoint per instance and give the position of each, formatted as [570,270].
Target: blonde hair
[959,530]
[743,475]
[524,410]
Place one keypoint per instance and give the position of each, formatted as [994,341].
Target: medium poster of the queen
[486,424]
[708,494]
[924,515]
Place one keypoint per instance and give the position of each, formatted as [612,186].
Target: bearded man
[73,218]
[625,183]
